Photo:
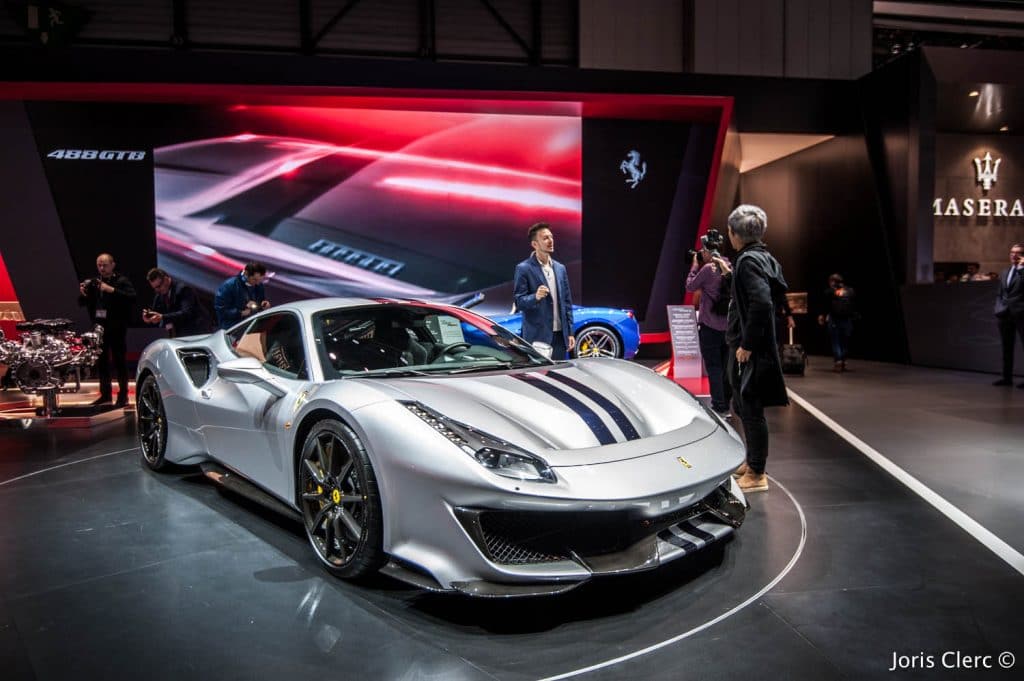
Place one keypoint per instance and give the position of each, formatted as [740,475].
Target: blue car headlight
[494,454]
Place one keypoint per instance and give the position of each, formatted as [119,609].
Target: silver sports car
[427,442]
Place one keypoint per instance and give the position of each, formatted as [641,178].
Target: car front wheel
[597,341]
[151,422]
[339,500]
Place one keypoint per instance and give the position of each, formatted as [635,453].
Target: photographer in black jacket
[754,370]
[109,299]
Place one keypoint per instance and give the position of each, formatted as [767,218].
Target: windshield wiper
[387,373]
[484,366]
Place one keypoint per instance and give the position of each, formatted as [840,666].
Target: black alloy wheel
[151,422]
[339,500]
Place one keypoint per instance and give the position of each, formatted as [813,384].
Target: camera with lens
[91,285]
[712,242]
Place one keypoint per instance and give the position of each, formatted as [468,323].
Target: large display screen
[405,194]
[370,203]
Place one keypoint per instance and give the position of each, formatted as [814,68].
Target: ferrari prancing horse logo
[683,461]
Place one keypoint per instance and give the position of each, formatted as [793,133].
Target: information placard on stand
[682,326]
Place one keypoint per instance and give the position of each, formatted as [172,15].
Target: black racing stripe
[690,528]
[673,538]
[621,420]
[589,416]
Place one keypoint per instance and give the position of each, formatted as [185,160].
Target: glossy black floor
[108,571]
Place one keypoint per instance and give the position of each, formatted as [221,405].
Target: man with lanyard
[175,306]
[541,293]
[241,295]
[1009,311]
[109,299]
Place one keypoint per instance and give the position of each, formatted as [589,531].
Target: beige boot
[741,471]
[753,482]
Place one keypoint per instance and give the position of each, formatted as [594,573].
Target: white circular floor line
[63,465]
[967,523]
[725,615]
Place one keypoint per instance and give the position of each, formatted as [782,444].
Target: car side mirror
[543,348]
[249,370]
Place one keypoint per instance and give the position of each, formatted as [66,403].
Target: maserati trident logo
[634,168]
[988,174]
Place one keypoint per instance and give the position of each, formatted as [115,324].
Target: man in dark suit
[175,306]
[1010,310]
[542,295]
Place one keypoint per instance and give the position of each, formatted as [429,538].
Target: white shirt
[549,275]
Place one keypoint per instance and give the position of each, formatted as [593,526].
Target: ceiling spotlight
[1005,128]
[973,93]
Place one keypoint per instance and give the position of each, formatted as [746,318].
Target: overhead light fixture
[973,93]
[1005,128]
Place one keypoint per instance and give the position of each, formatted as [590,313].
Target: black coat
[1010,299]
[758,288]
[117,305]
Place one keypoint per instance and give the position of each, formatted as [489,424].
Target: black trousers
[558,350]
[1009,329]
[715,351]
[115,350]
[751,415]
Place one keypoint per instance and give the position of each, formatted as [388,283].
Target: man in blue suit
[542,295]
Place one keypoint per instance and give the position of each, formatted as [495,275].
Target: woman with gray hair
[754,371]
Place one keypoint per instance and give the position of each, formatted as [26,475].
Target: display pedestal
[65,417]
[75,410]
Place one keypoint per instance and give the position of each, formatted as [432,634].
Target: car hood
[574,413]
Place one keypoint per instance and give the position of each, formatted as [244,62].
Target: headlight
[491,452]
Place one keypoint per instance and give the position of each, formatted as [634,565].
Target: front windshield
[414,339]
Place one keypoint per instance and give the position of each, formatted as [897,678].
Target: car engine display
[49,355]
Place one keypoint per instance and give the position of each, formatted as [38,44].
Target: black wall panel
[824,217]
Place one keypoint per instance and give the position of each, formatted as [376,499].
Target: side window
[235,334]
[276,341]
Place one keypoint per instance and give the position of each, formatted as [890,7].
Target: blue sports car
[599,331]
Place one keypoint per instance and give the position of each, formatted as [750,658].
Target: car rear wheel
[339,500]
[597,341]
[151,423]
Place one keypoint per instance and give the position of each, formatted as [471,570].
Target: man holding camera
[241,295]
[175,306]
[708,278]
[109,298]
